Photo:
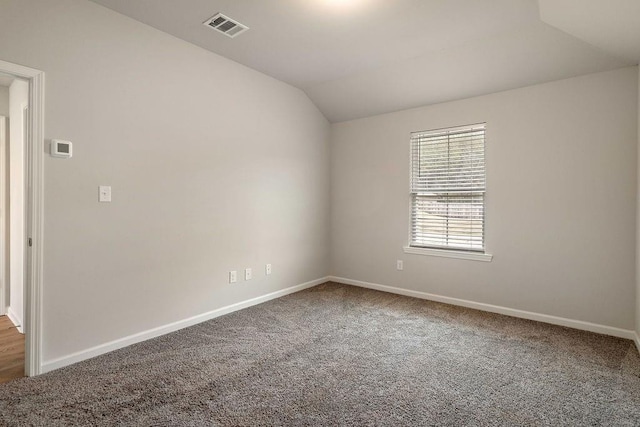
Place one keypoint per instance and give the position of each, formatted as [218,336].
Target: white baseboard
[545,318]
[15,320]
[89,353]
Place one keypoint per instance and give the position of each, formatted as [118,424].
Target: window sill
[447,253]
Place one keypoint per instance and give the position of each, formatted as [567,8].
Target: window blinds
[447,188]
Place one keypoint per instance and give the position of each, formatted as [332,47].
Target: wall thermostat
[61,148]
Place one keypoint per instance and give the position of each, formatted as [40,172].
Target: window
[448,188]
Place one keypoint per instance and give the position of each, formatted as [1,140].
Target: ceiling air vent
[225,25]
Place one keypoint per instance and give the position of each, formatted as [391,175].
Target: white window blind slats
[454,221]
[447,188]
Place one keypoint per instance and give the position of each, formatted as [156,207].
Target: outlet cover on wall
[399,264]
[267,269]
[104,193]
[248,274]
[233,276]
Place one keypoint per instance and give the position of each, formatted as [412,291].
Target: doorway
[14,121]
[21,215]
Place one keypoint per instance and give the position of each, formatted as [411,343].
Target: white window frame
[447,252]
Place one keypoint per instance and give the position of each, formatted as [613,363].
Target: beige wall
[560,204]
[213,166]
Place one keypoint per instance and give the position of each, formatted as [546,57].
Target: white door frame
[4,162]
[34,216]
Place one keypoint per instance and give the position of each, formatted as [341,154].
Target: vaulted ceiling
[612,25]
[357,58]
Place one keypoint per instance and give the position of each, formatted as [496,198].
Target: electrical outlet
[248,274]
[399,264]
[233,276]
[267,269]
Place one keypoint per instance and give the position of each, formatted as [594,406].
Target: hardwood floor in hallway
[11,351]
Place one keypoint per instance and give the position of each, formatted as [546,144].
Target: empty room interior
[319,212]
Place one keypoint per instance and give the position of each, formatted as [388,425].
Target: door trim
[3,216]
[34,216]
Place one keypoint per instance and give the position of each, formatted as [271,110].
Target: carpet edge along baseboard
[522,314]
[89,353]
[100,349]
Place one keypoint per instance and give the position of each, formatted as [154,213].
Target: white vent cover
[225,25]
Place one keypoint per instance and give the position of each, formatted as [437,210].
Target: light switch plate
[104,193]
[267,269]
[399,264]
[248,274]
[233,276]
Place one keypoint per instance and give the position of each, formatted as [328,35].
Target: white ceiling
[356,58]
[613,25]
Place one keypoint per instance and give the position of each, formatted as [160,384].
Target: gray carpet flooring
[340,355]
